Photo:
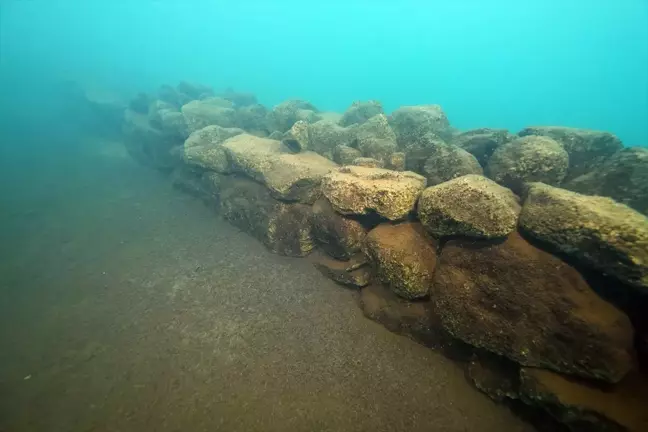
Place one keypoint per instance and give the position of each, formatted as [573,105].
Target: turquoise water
[498,63]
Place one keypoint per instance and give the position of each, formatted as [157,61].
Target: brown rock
[404,258]
[525,304]
[360,190]
[352,273]
[337,235]
[284,228]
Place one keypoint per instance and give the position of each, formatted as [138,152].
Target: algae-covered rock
[345,155]
[396,161]
[367,162]
[252,118]
[211,136]
[528,159]
[446,162]
[360,190]
[339,236]
[284,115]
[525,304]
[326,135]
[146,143]
[622,177]
[412,122]
[284,228]
[403,258]
[375,138]
[211,111]
[352,273]
[297,138]
[471,206]
[417,151]
[290,177]
[359,112]
[597,231]
[584,407]
[587,149]
[203,148]
[481,143]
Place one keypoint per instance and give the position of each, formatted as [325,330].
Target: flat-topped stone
[597,231]
[361,190]
[289,177]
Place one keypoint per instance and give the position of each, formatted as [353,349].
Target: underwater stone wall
[493,247]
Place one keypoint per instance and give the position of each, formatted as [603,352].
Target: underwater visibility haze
[323,216]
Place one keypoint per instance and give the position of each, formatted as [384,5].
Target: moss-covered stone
[471,206]
[325,136]
[525,304]
[204,148]
[284,228]
[403,258]
[285,114]
[345,155]
[297,138]
[375,138]
[211,111]
[446,162]
[587,149]
[359,112]
[622,177]
[412,122]
[481,143]
[359,190]
[528,159]
[597,231]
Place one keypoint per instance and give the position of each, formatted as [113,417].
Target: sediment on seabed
[524,256]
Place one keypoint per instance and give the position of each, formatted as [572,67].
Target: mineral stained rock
[446,162]
[339,236]
[360,190]
[525,304]
[403,258]
[470,206]
[359,112]
[284,228]
[353,273]
[587,149]
[481,143]
[622,177]
[528,159]
[289,177]
[597,231]
[211,111]
[412,122]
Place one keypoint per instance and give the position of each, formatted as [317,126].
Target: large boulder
[583,407]
[623,177]
[284,228]
[587,149]
[481,143]
[290,177]
[325,136]
[412,122]
[359,112]
[339,236]
[528,159]
[375,138]
[525,304]
[597,231]
[296,139]
[252,118]
[345,155]
[211,111]
[284,115]
[361,191]
[470,206]
[203,148]
[447,161]
[146,143]
[403,258]
[418,150]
